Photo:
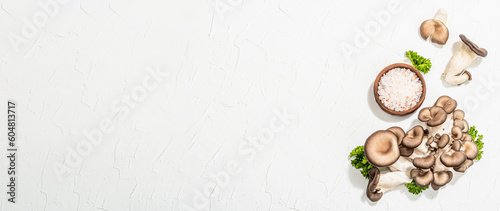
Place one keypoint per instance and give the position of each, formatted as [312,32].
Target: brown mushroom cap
[462,124]
[454,159]
[456,145]
[422,178]
[371,189]
[479,51]
[447,103]
[434,116]
[456,133]
[435,29]
[425,162]
[442,140]
[467,137]
[405,151]
[470,149]
[414,137]
[458,114]
[399,132]
[441,178]
[381,148]
[462,168]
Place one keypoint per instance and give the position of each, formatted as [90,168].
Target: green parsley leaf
[359,161]
[420,63]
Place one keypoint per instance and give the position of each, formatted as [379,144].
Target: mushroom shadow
[379,113]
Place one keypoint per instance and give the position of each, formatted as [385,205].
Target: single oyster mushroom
[405,151]
[462,168]
[458,114]
[425,162]
[414,137]
[456,133]
[470,149]
[442,140]
[381,148]
[453,158]
[441,178]
[462,124]
[456,73]
[379,184]
[422,177]
[435,28]
[447,103]
[433,116]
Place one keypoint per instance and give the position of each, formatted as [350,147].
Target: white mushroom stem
[390,180]
[441,15]
[443,128]
[402,165]
[461,59]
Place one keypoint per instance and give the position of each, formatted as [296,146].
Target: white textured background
[229,71]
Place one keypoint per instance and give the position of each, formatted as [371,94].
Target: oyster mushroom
[441,178]
[425,162]
[435,28]
[399,132]
[455,72]
[447,103]
[470,149]
[453,158]
[381,148]
[422,177]
[433,116]
[379,184]
[413,137]
[462,168]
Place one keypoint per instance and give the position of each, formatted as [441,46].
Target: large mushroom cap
[381,148]
[371,189]
[414,137]
[477,50]
[454,159]
[434,116]
[399,132]
[436,30]
[422,178]
[447,103]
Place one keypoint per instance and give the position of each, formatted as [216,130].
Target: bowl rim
[390,67]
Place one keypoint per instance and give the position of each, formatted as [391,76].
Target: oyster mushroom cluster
[427,155]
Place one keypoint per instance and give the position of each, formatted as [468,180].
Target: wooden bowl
[390,67]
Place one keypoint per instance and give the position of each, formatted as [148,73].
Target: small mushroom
[381,148]
[456,73]
[414,137]
[399,132]
[433,116]
[405,151]
[423,178]
[425,162]
[442,140]
[466,137]
[453,158]
[470,149]
[447,103]
[462,168]
[456,133]
[462,124]
[441,178]
[378,184]
[435,28]
[458,114]
[456,145]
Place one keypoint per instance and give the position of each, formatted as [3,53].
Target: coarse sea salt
[399,89]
